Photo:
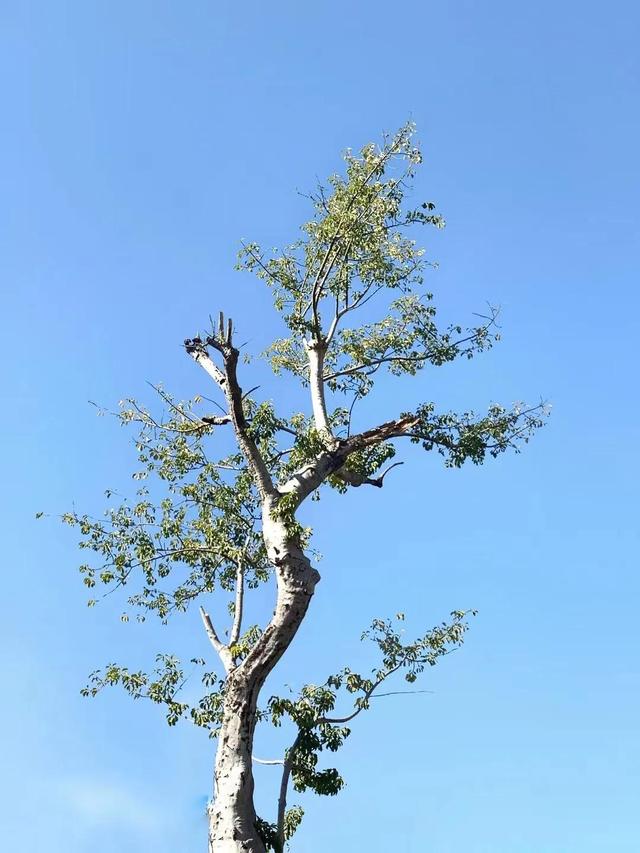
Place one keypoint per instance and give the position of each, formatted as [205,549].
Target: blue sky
[138,143]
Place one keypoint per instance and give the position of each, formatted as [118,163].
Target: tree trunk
[232,816]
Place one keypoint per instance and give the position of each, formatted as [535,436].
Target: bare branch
[284,784]
[357,396]
[221,649]
[228,382]
[239,599]
[372,481]
[400,693]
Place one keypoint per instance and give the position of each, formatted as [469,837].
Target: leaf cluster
[162,687]
[312,711]
[187,542]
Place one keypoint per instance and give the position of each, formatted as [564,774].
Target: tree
[198,527]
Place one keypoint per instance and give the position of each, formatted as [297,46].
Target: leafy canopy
[356,248]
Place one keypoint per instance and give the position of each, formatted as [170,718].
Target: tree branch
[328,262]
[290,755]
[389,359]
[228,383]
[308,479]
[238,604]
[221,649]
[316,350]
[353,478]
[284,784]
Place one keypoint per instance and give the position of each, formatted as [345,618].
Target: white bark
[316,351]
[218,645]
[232,815]
[284,785]
[238,608]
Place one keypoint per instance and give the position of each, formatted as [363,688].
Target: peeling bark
[232,816]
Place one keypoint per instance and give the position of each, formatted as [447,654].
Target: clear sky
[139,141]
